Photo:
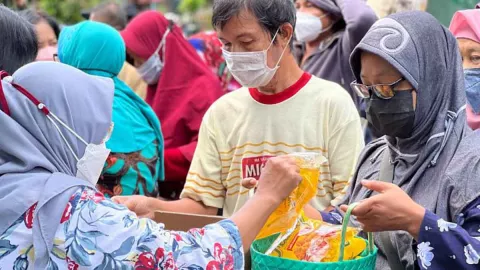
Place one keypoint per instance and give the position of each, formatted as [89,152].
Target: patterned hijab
[35,164]
[427,55]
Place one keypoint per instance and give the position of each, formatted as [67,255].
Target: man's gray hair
[271,14]
[19,41]
[112,14]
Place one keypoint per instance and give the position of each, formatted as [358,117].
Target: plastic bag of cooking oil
[286,216]
[317,241]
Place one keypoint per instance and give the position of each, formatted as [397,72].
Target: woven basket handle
[346,219]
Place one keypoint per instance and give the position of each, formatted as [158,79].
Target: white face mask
[250,69]
[309,27]
[151,70]
[91,164]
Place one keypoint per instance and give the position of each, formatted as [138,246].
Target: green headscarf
[98,49]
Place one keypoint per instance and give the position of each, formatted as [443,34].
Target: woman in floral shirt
[55,121]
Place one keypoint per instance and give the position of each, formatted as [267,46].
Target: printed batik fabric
[95,233]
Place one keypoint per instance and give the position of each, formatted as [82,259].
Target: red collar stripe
[282,96]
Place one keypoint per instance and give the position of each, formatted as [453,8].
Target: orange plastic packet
[317,241]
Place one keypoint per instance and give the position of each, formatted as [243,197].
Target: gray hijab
[35,164]
[429,164]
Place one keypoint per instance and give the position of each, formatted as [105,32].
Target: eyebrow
[244,34]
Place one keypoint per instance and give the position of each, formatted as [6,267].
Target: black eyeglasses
[383,91]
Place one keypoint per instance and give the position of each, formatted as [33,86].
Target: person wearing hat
[326,32]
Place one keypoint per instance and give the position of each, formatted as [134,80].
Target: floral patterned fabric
[95,233]
[443,244]
[132,173]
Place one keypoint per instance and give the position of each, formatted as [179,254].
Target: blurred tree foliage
[191,6]
[66,11]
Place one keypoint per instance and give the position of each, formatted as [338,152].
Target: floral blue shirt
[95,233]
[442,244]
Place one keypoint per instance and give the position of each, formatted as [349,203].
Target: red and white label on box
[252,166]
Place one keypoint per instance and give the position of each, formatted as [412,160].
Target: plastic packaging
[285,216]
[316,241]
[301,238]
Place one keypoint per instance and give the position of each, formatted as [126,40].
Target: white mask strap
[63,137]
[285,49]
[68,128]
[273,39]
[163,41]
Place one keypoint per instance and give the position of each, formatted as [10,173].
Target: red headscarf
[186,87]
[185,90]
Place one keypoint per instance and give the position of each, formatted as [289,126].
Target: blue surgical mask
[151,70]
[472,88]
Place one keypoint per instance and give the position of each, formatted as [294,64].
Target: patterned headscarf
[35,164]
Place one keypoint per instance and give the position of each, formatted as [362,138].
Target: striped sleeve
[344,148]
[204,182]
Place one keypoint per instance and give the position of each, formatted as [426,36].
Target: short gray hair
[19,41]
[271,14]
[112,14]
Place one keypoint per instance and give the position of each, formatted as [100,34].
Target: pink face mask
[46,53]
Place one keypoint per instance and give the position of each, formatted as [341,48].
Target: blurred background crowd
[195,15]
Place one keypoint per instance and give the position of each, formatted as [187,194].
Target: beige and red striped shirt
[244,128]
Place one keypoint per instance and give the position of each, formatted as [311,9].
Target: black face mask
[393,117]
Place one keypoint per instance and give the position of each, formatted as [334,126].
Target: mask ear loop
[163,42]
[66,127]
[284,50]
[48,114]
[63,137]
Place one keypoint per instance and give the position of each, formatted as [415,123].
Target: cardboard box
[184,222]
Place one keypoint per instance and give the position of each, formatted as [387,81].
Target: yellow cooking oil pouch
[285,216]
[301,238]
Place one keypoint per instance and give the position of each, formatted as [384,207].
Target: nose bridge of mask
[252,60]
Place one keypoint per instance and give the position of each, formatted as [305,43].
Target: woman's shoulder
[463,171]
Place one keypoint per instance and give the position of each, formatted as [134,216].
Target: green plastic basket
[367,260]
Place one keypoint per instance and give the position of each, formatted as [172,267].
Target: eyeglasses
[55,57]
[383,91]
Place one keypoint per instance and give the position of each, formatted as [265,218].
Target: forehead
[43,28]
[242,24]
[466,44]
[375,66]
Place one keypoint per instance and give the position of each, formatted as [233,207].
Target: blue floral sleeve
[117,235]
[95,233]
[332,217]
[446,245]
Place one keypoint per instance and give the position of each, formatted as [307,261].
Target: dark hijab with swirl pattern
[429,164]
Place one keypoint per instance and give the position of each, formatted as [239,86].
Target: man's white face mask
[250,69]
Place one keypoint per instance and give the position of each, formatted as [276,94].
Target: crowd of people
[109,120]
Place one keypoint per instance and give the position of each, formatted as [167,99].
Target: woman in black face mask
[425,202]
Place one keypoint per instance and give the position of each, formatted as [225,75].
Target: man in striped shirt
[280,111]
